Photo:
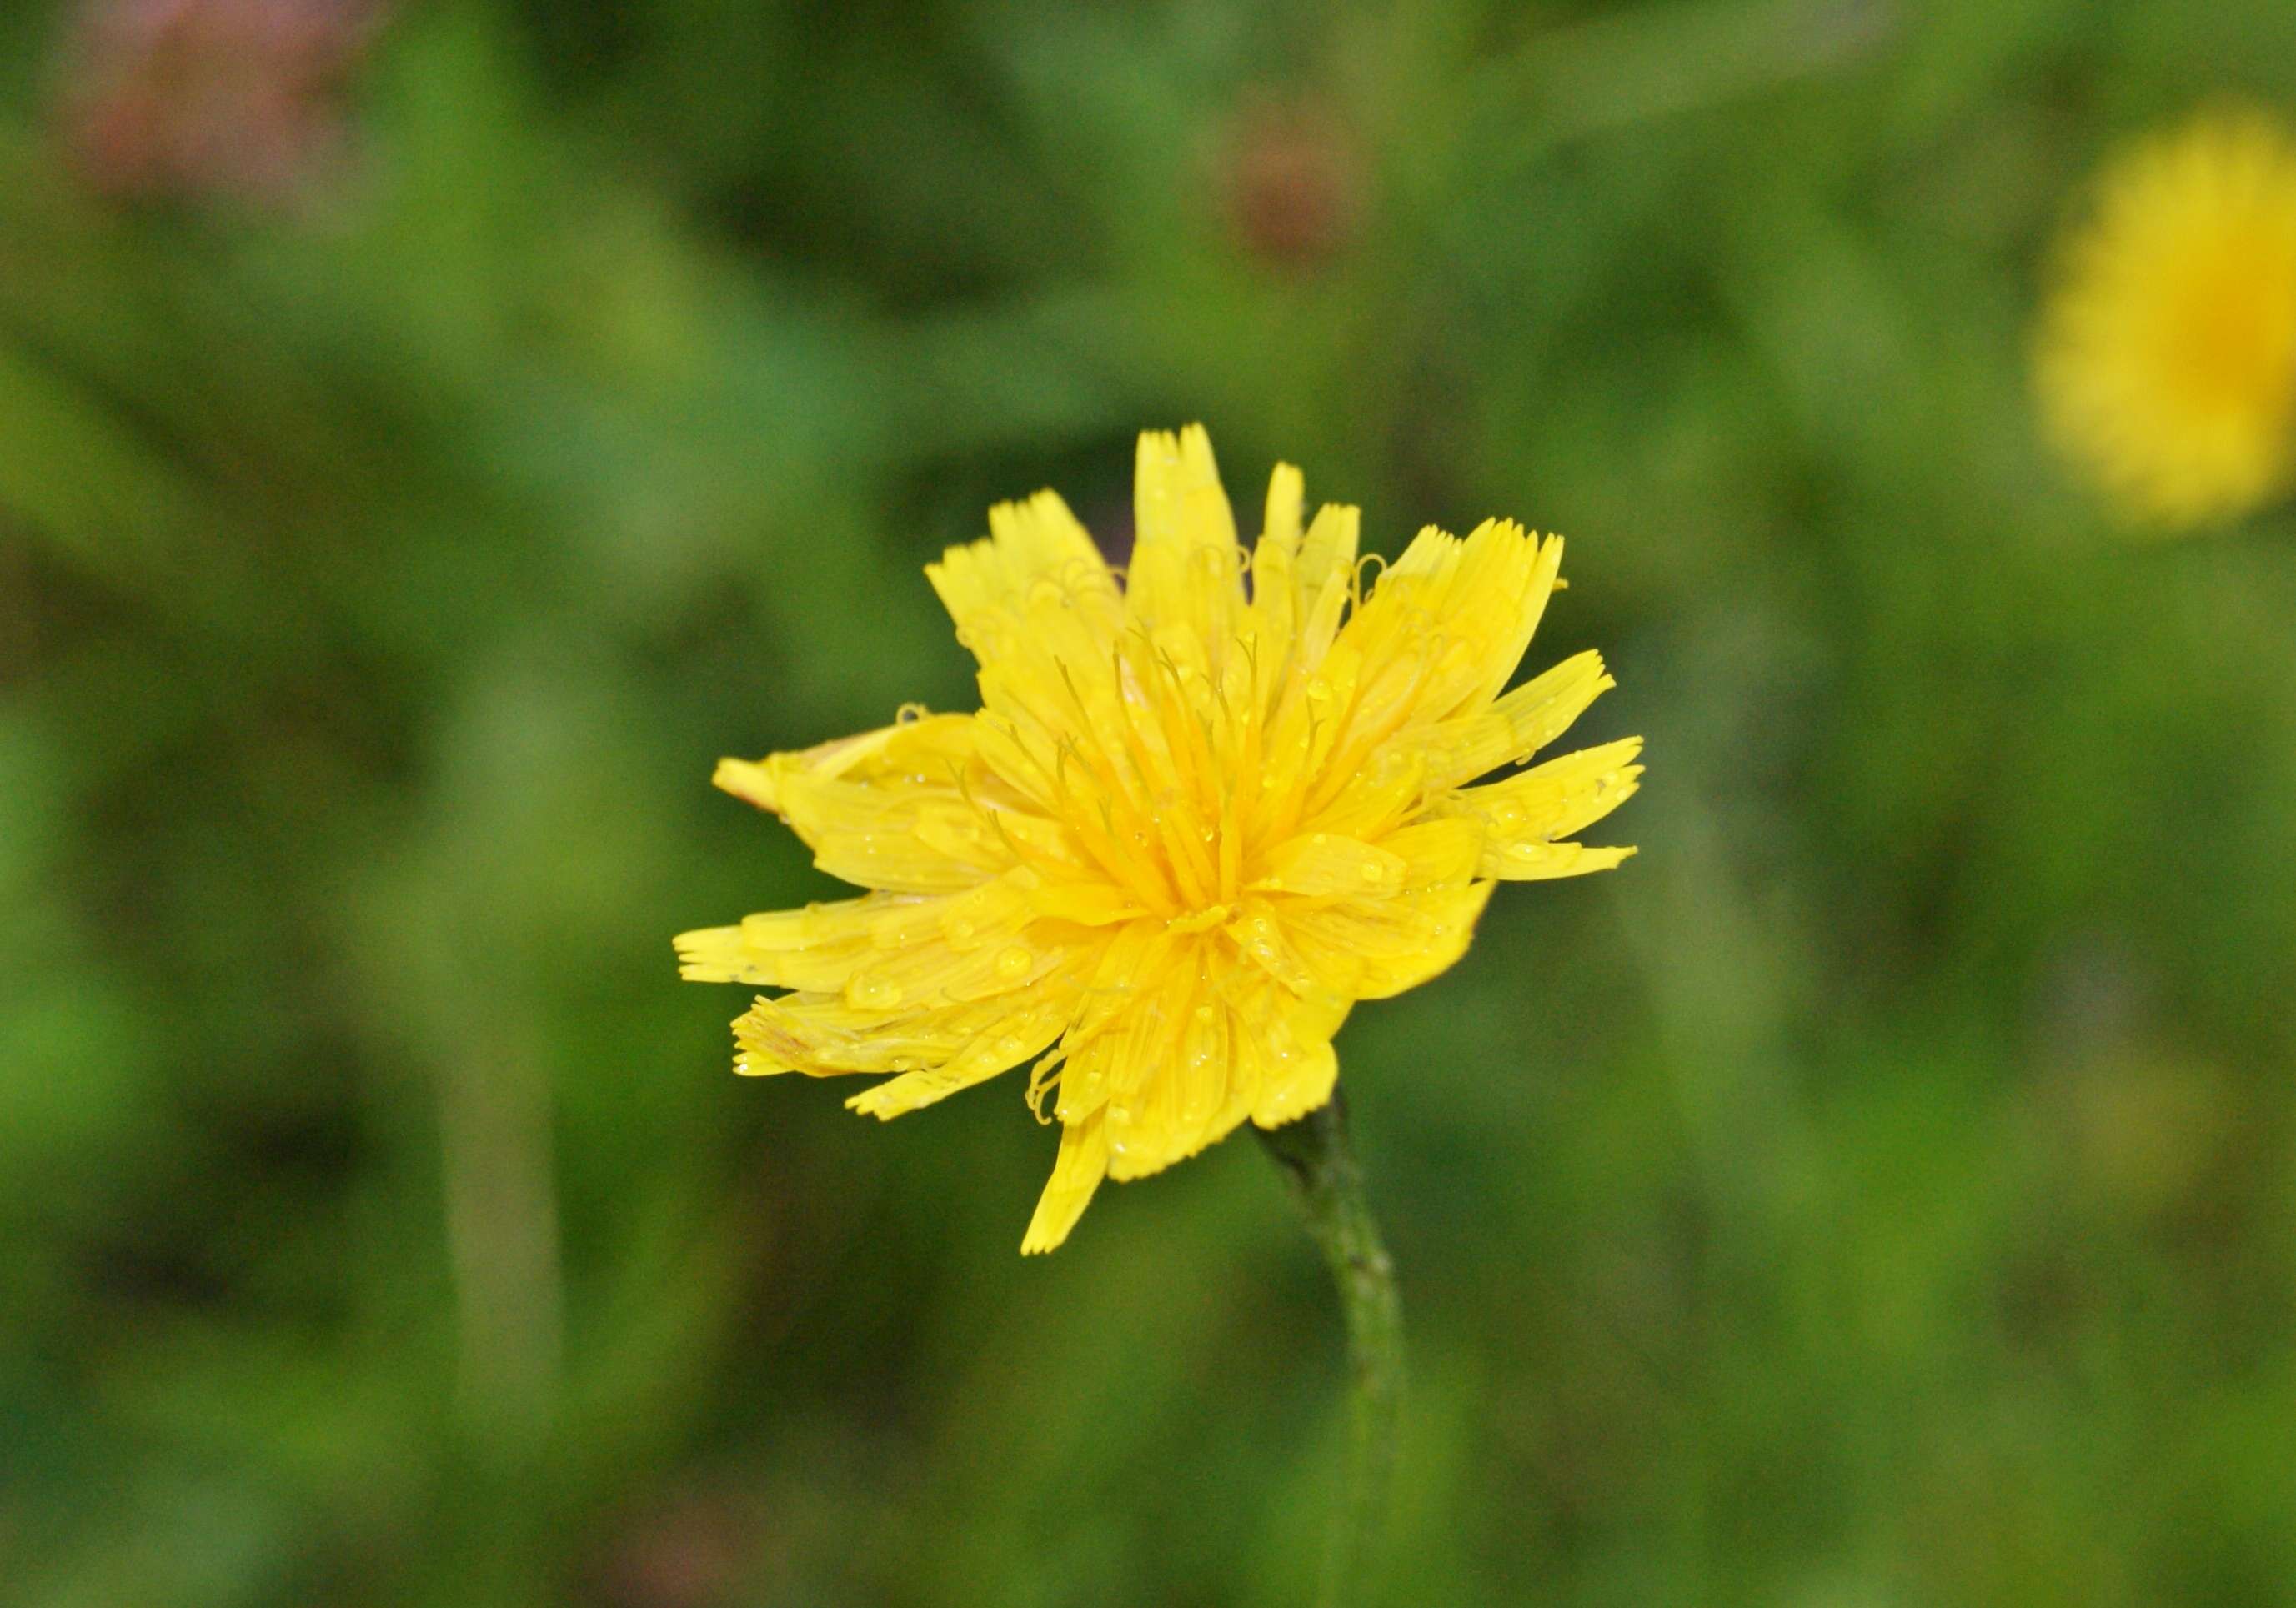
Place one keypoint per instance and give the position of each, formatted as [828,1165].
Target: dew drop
[876,994]
[1204,1014]
[1320,690]
[1014,960]
[1373,871]
[1008,1046]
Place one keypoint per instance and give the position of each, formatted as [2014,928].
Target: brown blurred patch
[691,1547]
[1293,183]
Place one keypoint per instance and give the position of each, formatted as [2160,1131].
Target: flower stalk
[1317,1157]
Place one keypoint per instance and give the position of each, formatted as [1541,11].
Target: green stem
[1316,1156]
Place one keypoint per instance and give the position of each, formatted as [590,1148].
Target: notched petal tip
[1272,1114]
[749,781]
[709,955]
[1305,1085]
[746,1065]
[881,1101]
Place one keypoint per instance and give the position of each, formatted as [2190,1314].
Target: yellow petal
[1274,618]
[1258,931]
[1484,595]
[1535,862]
[1323,579]
[1374,949]
[748,780]
[1184,1099]
[1327,863]
[825,1035]
[996,1049]
[1368,798]
[1516,726]
[1439,853]
[1185,573]
[1076,1173]
[1036,553]
[1287,493]
[1297,1066]
[815,948]
[1086,904]
[1554,799]
[898,808]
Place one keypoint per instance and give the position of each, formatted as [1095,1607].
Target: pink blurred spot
[192,97]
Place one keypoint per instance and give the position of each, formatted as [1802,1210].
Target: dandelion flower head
[2166,362]
[1204,808]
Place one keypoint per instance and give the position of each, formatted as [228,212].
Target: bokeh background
[431,434]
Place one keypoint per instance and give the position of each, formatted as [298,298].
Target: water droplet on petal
[1014,960]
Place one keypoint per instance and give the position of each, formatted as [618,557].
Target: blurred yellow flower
[1202,810]
[2166,362]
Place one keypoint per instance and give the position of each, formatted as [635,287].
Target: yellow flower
[2167,364]
[1203,810]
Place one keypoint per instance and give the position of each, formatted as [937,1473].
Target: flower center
[2233,336]
[1200,920]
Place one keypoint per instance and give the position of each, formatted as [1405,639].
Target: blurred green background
[429,440]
